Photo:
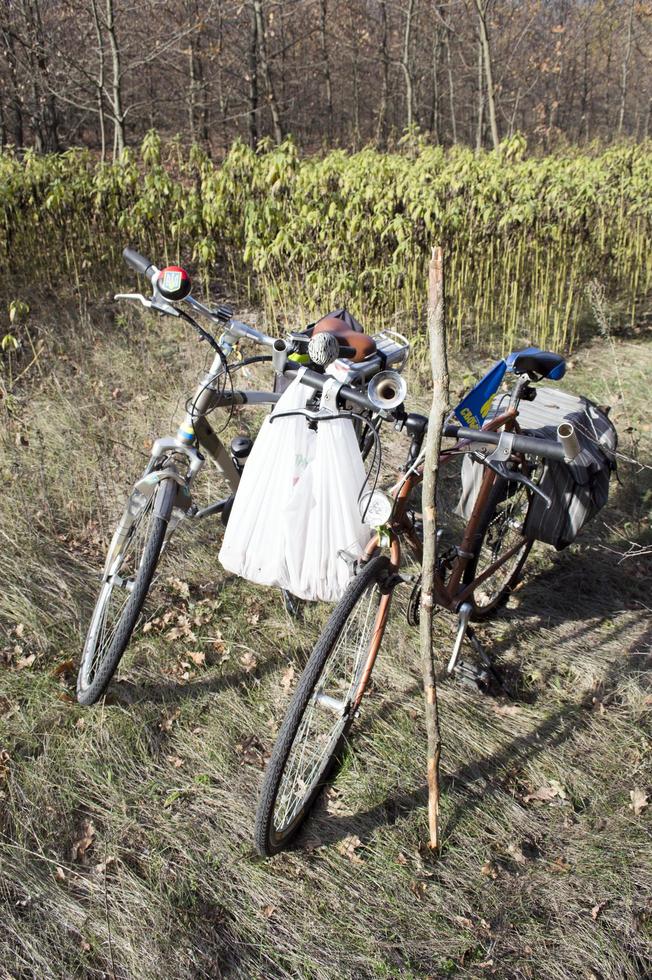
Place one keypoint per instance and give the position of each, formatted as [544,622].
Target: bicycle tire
[494,538]
[90,692]
[269,840]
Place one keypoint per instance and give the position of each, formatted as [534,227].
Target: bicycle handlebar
[139,263]
[317,381]
[546,448]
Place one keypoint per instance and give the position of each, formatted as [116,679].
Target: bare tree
[482,7]
[265,70]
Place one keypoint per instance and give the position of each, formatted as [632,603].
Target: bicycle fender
[147,485]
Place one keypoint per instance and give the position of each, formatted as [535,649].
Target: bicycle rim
[114,596]
[328,711]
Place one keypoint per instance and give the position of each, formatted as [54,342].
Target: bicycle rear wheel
[124,588]
[500,530]
[321,711]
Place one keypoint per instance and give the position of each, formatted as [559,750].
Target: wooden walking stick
[438,408]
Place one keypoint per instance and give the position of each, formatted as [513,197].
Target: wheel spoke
[327,712]
[115,594]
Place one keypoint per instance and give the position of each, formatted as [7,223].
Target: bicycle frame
[195,440]
[447,594]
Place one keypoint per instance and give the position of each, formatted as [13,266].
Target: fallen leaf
[505,710]
[103,866]
[85,842]
[419,888]
[178,586]
[401,859]
[488,869]
[63,668]
[517,854]
[268,911]
[252,752]
[463,921]
[167,721]
[60,874]
[597,909]
[197,657]
[175,761]
[4,764]
[287,678]
[347,847]
[25,661]
[248,661]
[547,793]
[639,801]
[19,629]
[560,865]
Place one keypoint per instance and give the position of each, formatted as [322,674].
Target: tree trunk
[326,67]
[381,126]
[264,67]
[451,85]
[406,64]
[480,126]
[624,74]
[252,78]
[14,125]
[100,78]
[116,83]
[438,408]
[481,9]
[44,111]
[435,123]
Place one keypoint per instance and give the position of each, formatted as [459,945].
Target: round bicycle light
[173,282]
[375,507]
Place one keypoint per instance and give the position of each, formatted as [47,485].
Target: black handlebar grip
[539,447]
[137,261]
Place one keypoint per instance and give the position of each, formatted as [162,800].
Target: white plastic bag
[297,505]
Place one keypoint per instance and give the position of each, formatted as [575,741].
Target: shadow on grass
[127,693]
[577,588]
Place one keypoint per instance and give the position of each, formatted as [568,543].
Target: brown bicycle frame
[447,594]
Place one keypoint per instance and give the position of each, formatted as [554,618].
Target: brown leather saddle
[363,345]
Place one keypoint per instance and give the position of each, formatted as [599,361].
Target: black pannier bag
[579,489]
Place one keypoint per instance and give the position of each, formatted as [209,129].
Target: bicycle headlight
[376,507]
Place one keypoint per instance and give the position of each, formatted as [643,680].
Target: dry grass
[161,780]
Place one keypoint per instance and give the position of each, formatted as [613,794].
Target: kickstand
[293,605]
[485,676]
[464,613]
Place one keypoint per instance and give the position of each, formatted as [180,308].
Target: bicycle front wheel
[321,712]
[136,549]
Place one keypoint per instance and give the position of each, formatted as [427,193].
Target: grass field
[126,844]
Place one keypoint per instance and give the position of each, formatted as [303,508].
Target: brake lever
[514,476]
[137,296]
[156,303]
[497,462]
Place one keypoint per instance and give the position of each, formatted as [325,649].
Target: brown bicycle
[472,580]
